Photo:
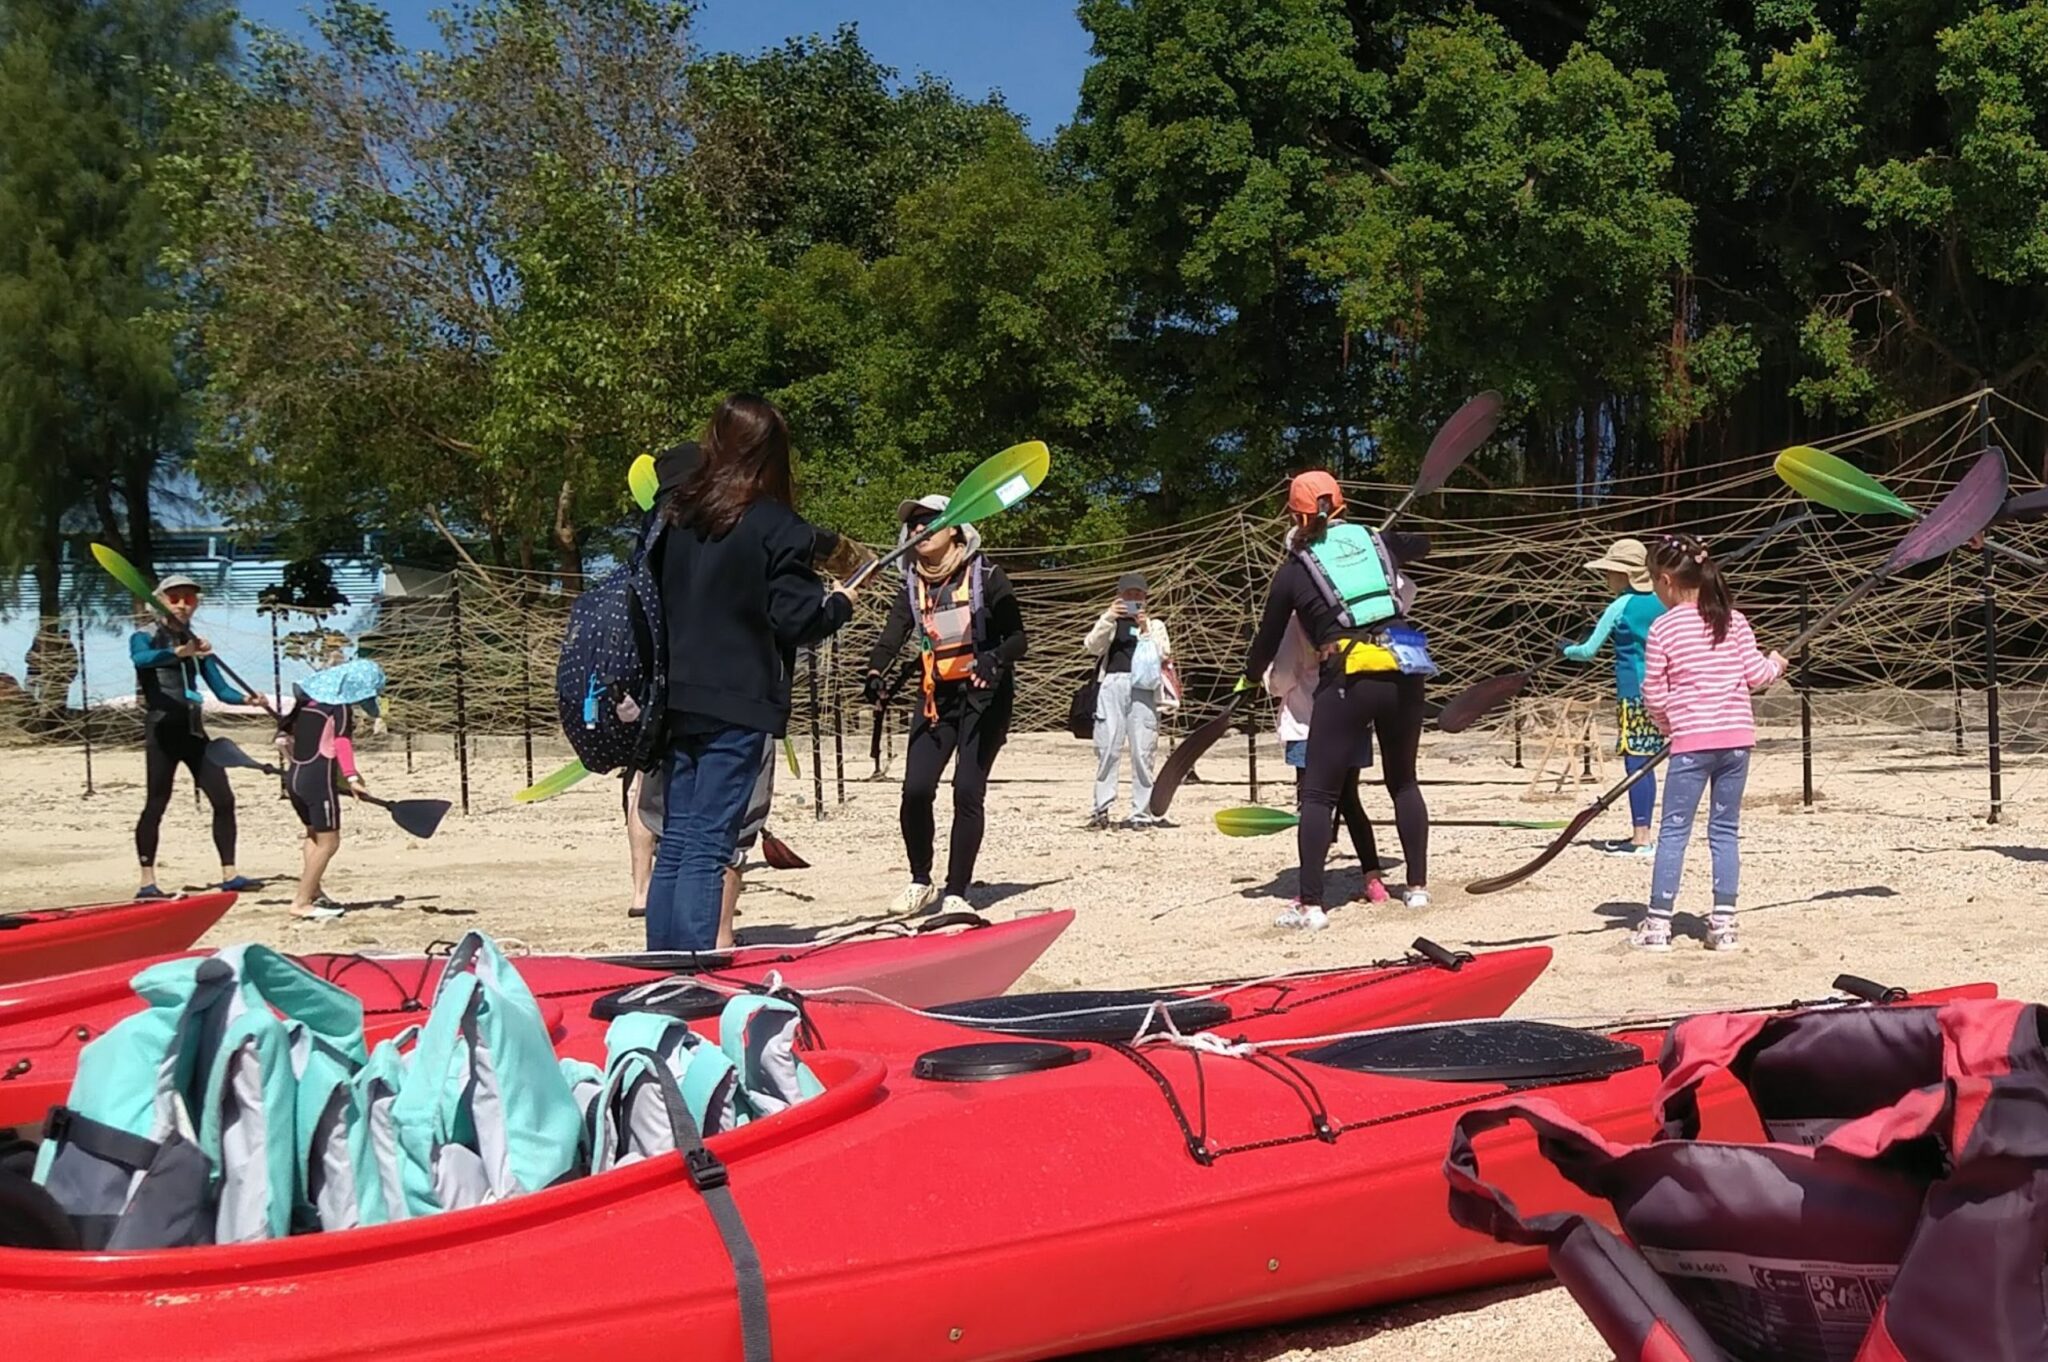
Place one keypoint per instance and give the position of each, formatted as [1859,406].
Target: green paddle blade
[1838,484]
[789,755]
[1254,821]
[1000,482]
[124,572]
[643,482]
[547,787]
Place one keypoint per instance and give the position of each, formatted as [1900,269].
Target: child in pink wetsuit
[1700,665]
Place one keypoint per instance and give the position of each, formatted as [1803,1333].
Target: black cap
[676,463]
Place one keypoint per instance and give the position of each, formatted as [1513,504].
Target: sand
[1894,875]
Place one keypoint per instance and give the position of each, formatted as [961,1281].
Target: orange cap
[1309,488]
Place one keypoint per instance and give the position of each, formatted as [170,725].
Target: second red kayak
[50,941]
[44,1024]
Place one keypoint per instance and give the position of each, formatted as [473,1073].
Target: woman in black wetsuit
[1343,582]
[170,664]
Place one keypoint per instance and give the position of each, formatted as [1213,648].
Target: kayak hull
[900,1218]
[44,1024]
[65,940]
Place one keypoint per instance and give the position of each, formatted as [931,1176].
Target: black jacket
[999,642]
[1295,593]
[735,611]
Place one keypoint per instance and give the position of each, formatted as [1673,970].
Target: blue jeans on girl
[710,778]
[1724,772]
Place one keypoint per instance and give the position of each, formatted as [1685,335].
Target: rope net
[1903,674]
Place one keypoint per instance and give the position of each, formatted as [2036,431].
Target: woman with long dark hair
[739,596]
[1344,583]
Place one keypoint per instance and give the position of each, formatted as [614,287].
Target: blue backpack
[611,679]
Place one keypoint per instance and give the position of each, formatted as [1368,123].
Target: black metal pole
[817,741]
[1251,751]
[408,749]
[277,692]
[1991,743]
[526,698]
[461,708]
[838,720]
[1515,712]
[1805,699]
[84,700]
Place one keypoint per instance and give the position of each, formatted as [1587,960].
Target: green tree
[93,375]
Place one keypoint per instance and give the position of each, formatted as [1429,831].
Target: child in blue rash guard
[1627,621]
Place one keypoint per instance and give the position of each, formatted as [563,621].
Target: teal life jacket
[1351,569]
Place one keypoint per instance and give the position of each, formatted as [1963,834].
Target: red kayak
[49,941]
[999,1200]
[44,1024]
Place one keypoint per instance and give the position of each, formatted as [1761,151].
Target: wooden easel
[1570,733]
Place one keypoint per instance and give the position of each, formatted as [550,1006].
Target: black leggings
[1351,811]
[976,737]
[168,744]
[1392,707]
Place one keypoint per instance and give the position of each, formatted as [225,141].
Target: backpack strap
[708,1175]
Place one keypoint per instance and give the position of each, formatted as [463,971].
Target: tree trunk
[137,478]
[569,554]
[52,661]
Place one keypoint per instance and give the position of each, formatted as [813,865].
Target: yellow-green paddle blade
[789,752]
[1254,821]
[1836,483]
[547,787]
[124,572]
[643,482]
[997,483]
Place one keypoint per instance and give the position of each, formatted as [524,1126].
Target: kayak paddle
[779,854]
[1840,485]
[643,482]
[2024,508]
[124,572]
[1256,821]
[1474,702]
[552,784]
[998,483]
[1470,426]
[419,817]
[1958,518]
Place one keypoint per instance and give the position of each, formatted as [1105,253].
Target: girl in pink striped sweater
[1701,664]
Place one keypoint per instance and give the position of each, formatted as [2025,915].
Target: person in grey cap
[170,662]
[1133,654]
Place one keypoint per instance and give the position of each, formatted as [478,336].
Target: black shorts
[316,793]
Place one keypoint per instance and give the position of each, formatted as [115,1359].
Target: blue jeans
[1642,796]
[1725,772]
[710,778]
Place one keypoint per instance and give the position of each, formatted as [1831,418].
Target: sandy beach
[1894,875]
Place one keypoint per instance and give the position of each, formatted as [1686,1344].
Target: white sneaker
[1414,897]
[953,903]
[914,899]
[1652,934]
[1721,936]
[1306,916]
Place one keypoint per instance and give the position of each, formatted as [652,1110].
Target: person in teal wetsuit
[1627,621]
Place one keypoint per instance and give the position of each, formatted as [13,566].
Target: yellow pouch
[1369,657]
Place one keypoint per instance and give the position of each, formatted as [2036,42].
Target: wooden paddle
[1469,427]
[1959,518]
[1474,702]
[419,817]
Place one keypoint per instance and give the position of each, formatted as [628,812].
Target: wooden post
[838,721]
[1991,742]
[817,741]
[277,692]
[84,700]
[461,707]
[1805,698]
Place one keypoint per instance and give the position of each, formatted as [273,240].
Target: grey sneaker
[1098,821]
[1652,934]
[1721,935]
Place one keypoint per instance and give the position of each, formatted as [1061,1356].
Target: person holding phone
[1132,650]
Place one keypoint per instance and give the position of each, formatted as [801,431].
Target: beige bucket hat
[1629,557]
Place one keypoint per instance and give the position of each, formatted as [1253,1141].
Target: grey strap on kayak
[707,1174]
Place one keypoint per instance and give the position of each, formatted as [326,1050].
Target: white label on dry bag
[1013,491]
[1790,1308]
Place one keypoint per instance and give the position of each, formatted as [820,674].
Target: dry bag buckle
[705,1170]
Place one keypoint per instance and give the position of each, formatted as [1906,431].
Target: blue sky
[1033,51]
